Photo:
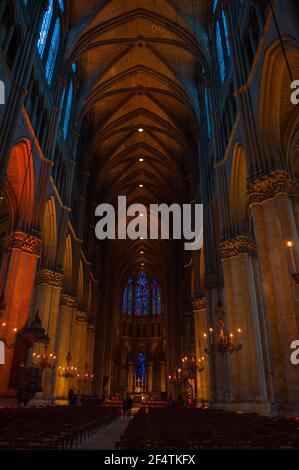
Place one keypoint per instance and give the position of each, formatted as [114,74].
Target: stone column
[200,327]
[162,376]
[17,277]
[131,373]
[79,349]
[49,285]
[68,305]
[248,382]
[150,366]
[273,220]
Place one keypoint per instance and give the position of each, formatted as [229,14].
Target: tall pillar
[18,273]
[273,220]
[79,349]
[131,373]
[248,379]
[162,376]
[68,304]
[200,327]
[150,366]
[49,285]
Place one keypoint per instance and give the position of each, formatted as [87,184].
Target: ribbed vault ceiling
[139,64]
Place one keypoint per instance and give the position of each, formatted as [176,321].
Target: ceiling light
[141,159]
[141,252]
[140,130]
[141,186]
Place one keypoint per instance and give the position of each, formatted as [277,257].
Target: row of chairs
[184,428]
[58,427]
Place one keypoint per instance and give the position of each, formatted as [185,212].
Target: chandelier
[69,371]
[87,375]
[44,361]
[188,369]
[224,340]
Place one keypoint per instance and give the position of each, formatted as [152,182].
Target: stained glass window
[61,4]
[44,31]
[125,300]
[226,32]
[215,5]
[158,301]
[141,367]
[154,299]
[220,54]
[208,116]
[68,111]
[147,295]
[50,65]
[128,298]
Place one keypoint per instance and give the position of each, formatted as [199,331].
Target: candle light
[290,245]
[211,335]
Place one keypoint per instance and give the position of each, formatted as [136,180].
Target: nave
[112,107]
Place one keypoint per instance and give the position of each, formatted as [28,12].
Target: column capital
[50,278]
[81,317]
[270,186]
[21,241]
[236,246]
[199,302]
[68,300]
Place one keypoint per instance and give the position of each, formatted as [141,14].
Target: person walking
[125,407]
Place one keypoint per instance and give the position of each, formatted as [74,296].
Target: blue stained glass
[142,279]
[154,300]
[44,31]
[125,301]
[220,52]
[68,111]
[207,106]
[74,67]
[61,4]
[215,4]
[145,301]
[141,367]
[138,301]
[158,301]
[226,32]
[50,65]
[26,1]
[130,300]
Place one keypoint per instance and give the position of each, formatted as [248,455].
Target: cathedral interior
[181,102]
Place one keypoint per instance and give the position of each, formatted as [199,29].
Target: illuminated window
[226,32]
[208,116]
[50,65]
[146,294]
[61,4]
[68,111]
[44,31]
[220,54]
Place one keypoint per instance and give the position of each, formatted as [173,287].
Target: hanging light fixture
[224,340]
[69,371]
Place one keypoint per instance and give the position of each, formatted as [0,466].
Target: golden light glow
[290,244]
[140,129]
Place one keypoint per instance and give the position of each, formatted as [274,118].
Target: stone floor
[108,436]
